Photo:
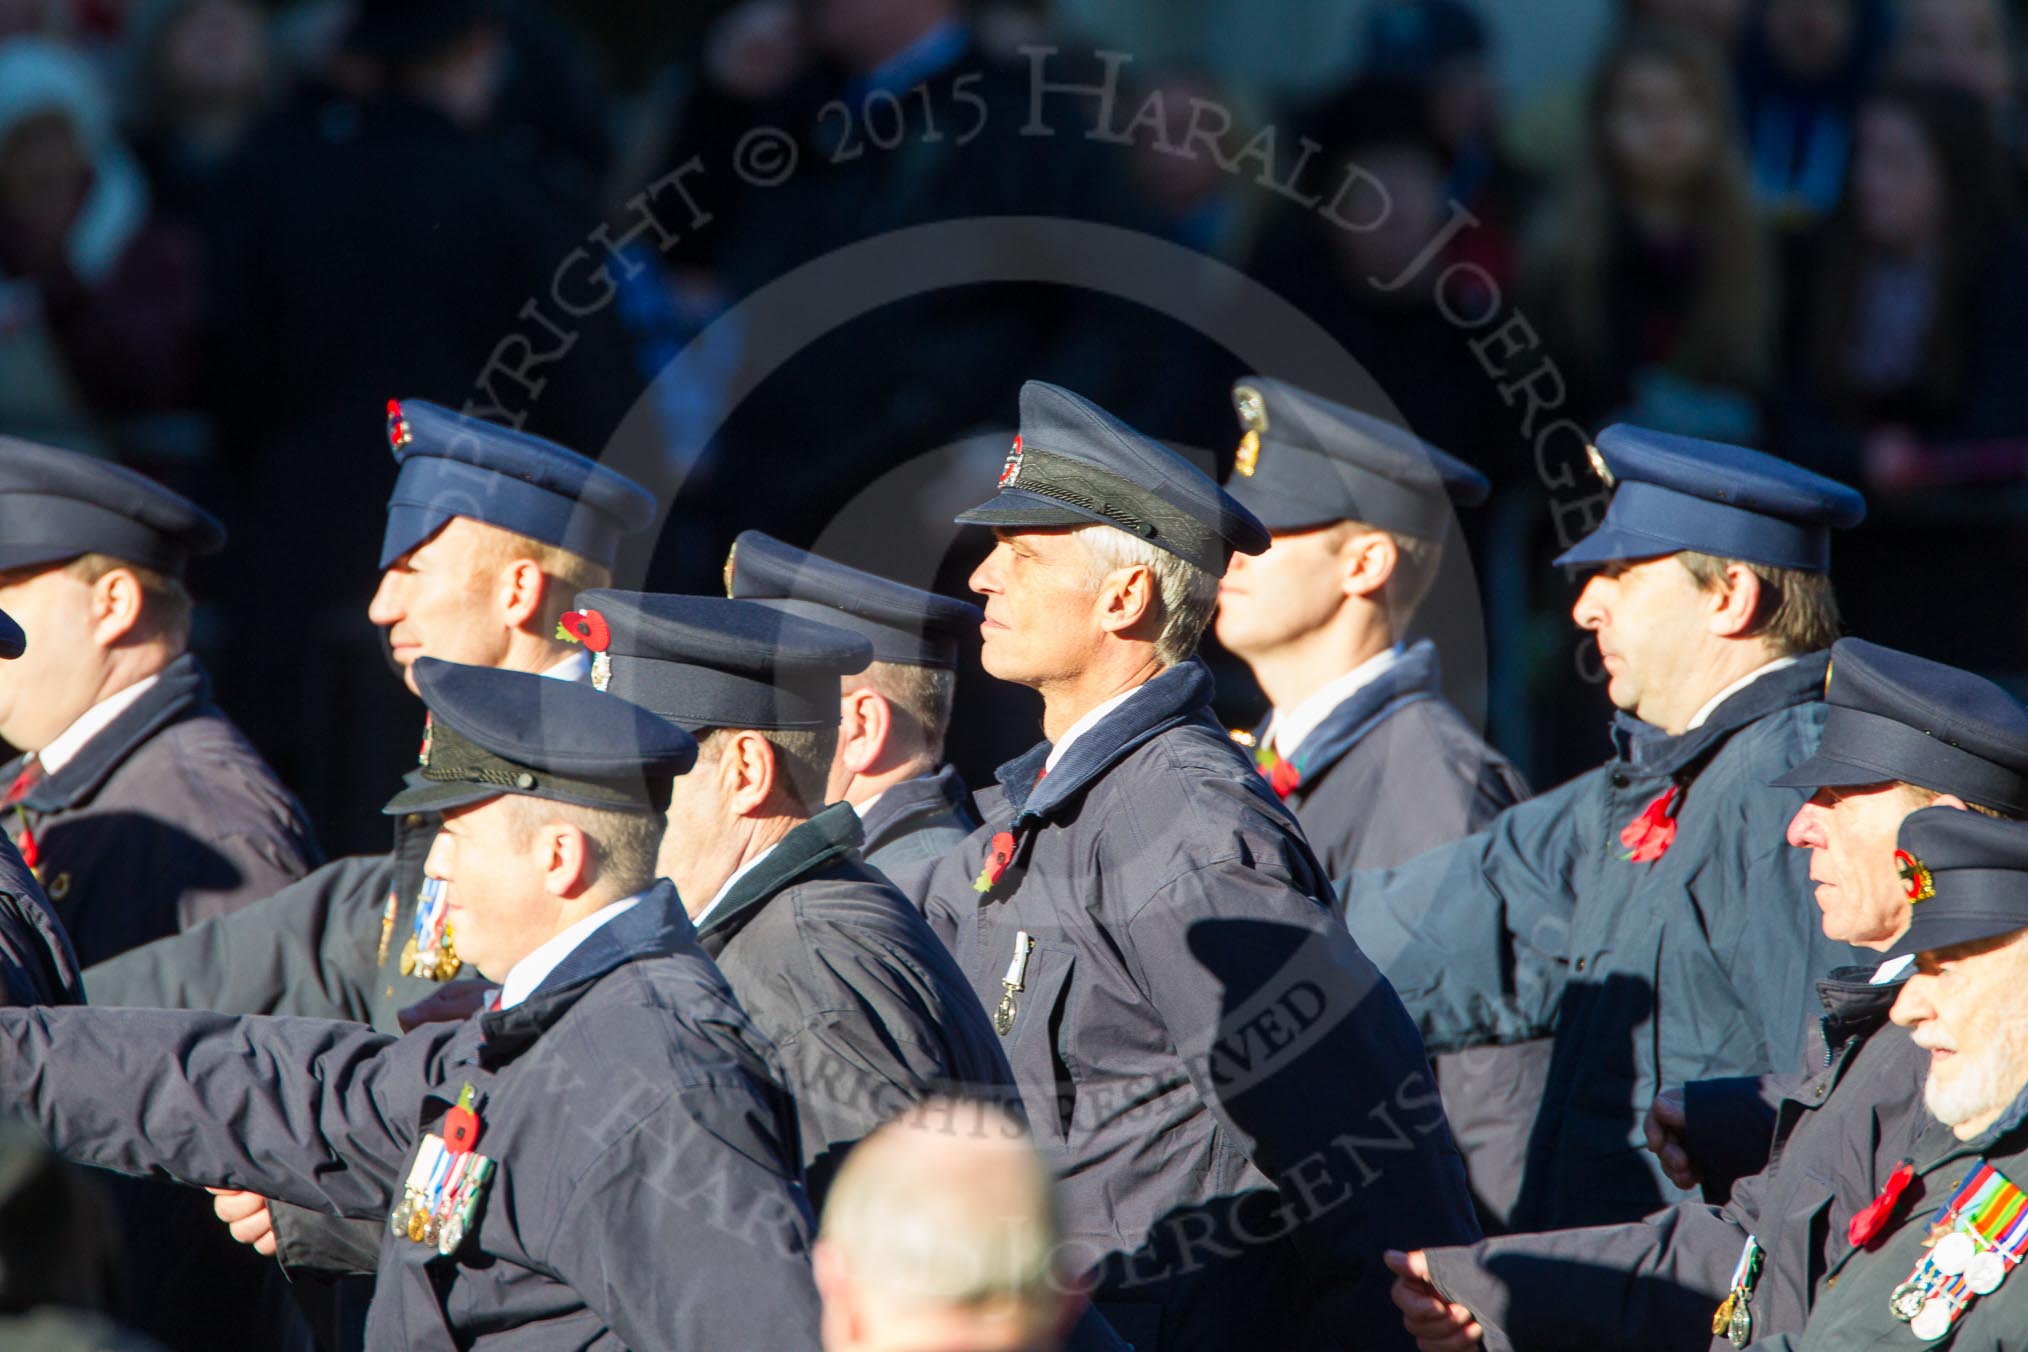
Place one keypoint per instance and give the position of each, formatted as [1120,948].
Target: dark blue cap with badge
[1074,464]
[1966,876]
[701,662]
[453,465]
[1895,716]
[56,505]
[1305,461]
[1674,493]
[492,732]
[906,625]
[12,642]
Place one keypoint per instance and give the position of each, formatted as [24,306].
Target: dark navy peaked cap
[702,662]
[904,624]
[1306,461]
[56,505]
[12,642]
[1675,493]
[1074,464]
[1966,876]
[493,732]
[1895,716]
[453,465]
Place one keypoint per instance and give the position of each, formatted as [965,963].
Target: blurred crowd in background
[230,232]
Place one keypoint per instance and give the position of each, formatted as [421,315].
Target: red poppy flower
[1868,1220]
[31,853]
[585,626]
[461,1129]
[1649,836]
[998,856]
[1284,778]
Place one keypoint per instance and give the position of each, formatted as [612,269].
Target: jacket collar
[1414,675]
[1653,751]
[657,925]
[830,835]
[1853,1005]
[939,794]
[1175,696]
[180,689]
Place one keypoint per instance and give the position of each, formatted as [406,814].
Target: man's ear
[568,858]
[864,726]
[1733,602]
[1951,800]
[1126,598]
[117,601]
[522,589]
[1369,559]
[747,772]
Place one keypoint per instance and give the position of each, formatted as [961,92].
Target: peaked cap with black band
[1305,461]
[453,465]
[1074,464]
[1966,875]
[702,662]
[492,732]
[905,624]
[1894,716]
[57,505]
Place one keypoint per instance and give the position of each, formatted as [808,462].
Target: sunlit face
[58,676]
[499,910]
[1850,833]
[1960,42]
[1897,184]
[1041,622]
[1270,600]
[1658,135]
[442,598]
[1647,617]
[1963,1006]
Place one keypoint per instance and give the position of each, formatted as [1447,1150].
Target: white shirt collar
[575,667]
[1287,731]
[524,976]
[89,724]
[738,873]
[1085,724]
[862,808]
[1711,705]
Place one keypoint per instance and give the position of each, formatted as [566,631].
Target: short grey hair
[1186,594]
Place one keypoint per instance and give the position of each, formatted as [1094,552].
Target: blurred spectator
[1193,200]
[383,244]
[1803,67]
[940,1234]
[1434,56]
[1651,279]
[1374,291]
[1960,42]
[1911,337]
[99,296]
[199,75]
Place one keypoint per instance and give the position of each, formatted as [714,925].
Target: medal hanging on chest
[1974,1242]
[445,1183]
[428,952]
[1734,1319]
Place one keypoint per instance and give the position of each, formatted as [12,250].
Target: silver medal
[1985,1273]
[1954,1252]
[1906,1302]
[1934,1321]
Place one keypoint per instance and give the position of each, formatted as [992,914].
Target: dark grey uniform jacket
[164,818]
[867,1009]
[1237,1108]
[1697,964]
[918,822]
[1838,1132]
[645,1195]
[1852,1314]
[1393,771]
[37,964]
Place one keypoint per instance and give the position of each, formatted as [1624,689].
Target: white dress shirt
[524,976]
[1286,730]
[744,869]
[1711,705]
[1086,724]
[89,724]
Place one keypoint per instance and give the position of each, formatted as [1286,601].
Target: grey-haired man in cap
[1362,745]
[1901,733]
[1208,1061]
